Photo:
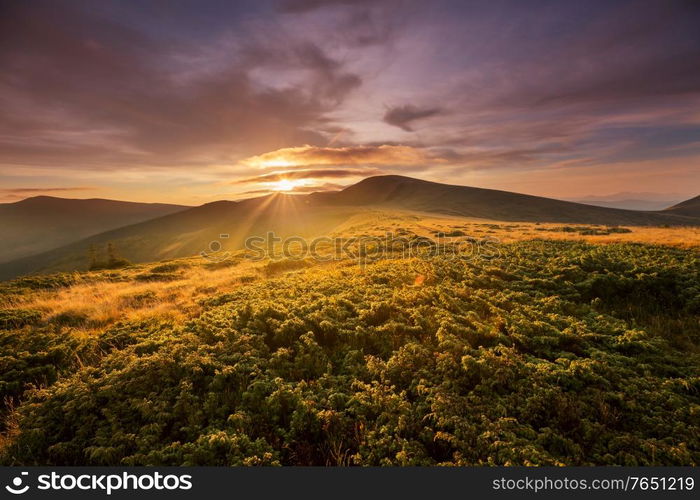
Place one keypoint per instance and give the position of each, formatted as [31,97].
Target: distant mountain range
[632,200]
[629,204]
[180,231]
[41,223]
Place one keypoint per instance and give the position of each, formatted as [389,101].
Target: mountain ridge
[40,223]
[494,204]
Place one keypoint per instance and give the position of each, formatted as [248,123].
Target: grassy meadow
[571,345]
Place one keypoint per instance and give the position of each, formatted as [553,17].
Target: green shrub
[70,319]
[157,276]
[540,357]
[168,267]
[17,318]
[275,267]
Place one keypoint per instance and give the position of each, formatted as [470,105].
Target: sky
[195,101]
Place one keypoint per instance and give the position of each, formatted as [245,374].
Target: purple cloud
[404,116]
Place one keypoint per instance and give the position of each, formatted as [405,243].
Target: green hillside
[554,353]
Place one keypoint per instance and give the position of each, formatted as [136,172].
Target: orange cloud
[305,156]
[310,174]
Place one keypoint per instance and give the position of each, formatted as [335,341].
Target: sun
[284,185]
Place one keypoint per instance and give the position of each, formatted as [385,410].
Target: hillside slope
[414,194]
[690,208]
[41,223]
[191,232]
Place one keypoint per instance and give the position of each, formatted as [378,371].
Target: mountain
[195,230]
[690,208]
[632,200]
[628,204]
[414,194]
[41,223]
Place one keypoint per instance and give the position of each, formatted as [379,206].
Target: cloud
[551,87]
[301,6]
[356,23]
[305,156]
[314,188]
[403,116]
[44,190]
[92,92]
[310,174]
[176,91]
[320,188]
[20,193]
[332,83]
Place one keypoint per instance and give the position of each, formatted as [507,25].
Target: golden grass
[425,224]
[683,237]
[90,305]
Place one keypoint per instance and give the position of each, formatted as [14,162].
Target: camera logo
[215,253]
[16,488]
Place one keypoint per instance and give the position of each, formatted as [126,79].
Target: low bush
[536,358]
[17,318]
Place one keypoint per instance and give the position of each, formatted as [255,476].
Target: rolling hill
[191,231]
[413,194]
[38,224]
[689,208]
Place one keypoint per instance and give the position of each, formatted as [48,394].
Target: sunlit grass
[94,302]
[426,224]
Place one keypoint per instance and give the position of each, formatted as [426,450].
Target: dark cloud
[617,56]
[564,83]
[300,6]
[358,23]
[404,116]
[80,90]
[331,81]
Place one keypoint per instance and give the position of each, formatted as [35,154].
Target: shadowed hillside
[414,194]
[191,231]
[690,208]
[38,224]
